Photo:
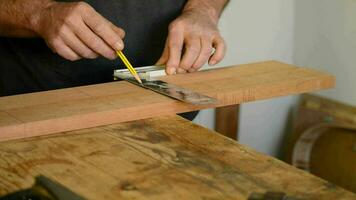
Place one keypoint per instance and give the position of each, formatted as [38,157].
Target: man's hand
[73,30]
[192,38]
[76,30]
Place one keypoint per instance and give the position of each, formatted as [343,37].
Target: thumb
[164,57]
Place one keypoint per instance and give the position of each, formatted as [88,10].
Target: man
[46,44]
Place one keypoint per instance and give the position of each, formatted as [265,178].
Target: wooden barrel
[328,151]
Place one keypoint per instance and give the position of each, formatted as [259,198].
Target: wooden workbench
[161,158]
[111,140]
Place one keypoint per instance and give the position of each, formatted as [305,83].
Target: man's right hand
[75,30]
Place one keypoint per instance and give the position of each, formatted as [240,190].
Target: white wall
[258,30]
[326,39]
[316,33]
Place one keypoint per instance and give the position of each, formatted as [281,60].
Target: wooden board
[161,158]
[90,106]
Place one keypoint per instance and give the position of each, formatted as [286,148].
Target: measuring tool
[43,189]
[149,79]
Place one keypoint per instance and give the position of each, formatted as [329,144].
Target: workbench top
[159,158]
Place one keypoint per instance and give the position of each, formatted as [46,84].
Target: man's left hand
[191,41]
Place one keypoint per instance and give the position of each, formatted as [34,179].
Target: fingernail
[118,46]
[171,70]
[212,62]
[181,71]
[191,70]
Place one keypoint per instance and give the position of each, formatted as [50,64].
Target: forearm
[213,8]
[18,17]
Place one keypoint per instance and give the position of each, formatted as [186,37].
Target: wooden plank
[160,158]
[95,105]
[226,121]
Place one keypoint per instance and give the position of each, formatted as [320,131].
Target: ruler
[164,88]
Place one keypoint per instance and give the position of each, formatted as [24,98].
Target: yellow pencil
[129,66]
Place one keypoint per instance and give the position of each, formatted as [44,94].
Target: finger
[205,53]
[175,44]
[164,57]
[181,71]
[94,42]
[191,70]
[119,31]
[63,50]
[102,27]
[220,49]
[191,53]
[73,42]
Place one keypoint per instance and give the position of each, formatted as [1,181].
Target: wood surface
[339,167]
[161,158]
[95,105]
[324,127]
[226,121]
[314,110]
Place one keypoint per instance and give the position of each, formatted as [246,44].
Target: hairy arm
[73,30]
[17,17]
[212,8]
[193,36]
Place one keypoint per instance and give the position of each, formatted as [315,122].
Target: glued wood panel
[160,158]
[95,105]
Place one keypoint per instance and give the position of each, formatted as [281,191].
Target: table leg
[226,121]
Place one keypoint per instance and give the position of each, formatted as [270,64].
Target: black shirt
[28,65]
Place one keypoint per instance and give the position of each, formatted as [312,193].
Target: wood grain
[95,105]
[160,158]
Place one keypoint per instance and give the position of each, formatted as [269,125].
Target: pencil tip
[137,77]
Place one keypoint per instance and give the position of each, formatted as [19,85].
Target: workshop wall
[255,31]
[319,33]
[325,38]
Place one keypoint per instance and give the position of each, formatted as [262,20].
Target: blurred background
[320,34]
